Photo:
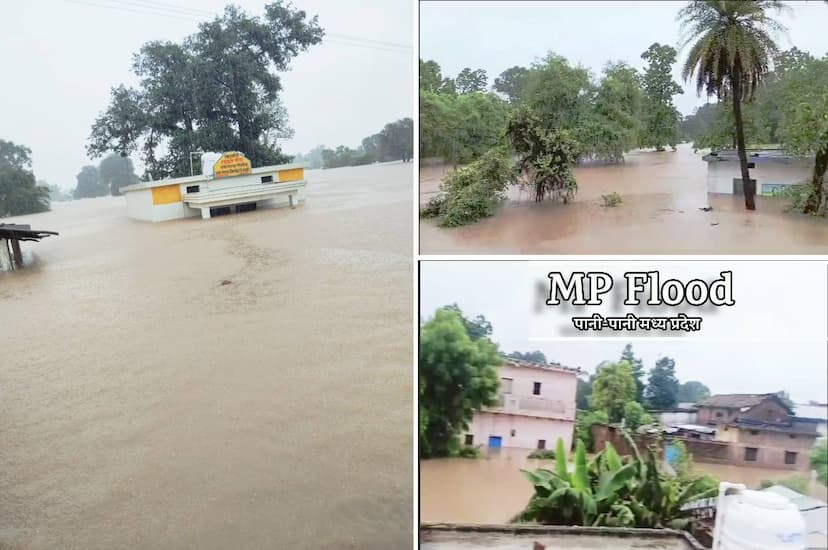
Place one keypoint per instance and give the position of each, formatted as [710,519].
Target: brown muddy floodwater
[144,404]
[492,489]
[661,193]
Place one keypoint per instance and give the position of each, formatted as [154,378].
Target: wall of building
[557,390]
[520,431]
[708,415]
[720,174]
[669,418]
[767,411]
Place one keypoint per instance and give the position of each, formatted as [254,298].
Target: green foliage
[662,386]
[89,183]
[794,483]
[468,452]
[531,356]
[394,142]
[608,490]
[661,118]
[512,83]
[613,126]
[692,392]
[635,415]
[546,156]
[542,454]
[819,460]
[797,196]
[458,375]
[583,393]
[56,194]
[215,91]
[611,200]
[558,93]
[637,366]
[460,128]
[473,191]
[613,388]
[115,172]
[584,421]
[470,81]
[19,192]
[432,81]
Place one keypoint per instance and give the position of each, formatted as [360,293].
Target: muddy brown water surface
[662,194]
[144,404]
[492,489]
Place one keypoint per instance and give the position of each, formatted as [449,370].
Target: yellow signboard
[232,163]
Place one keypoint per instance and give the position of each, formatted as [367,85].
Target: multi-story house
[536,406]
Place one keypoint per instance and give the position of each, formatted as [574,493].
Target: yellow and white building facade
[228,183]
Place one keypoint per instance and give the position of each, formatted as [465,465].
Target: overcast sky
[59,59]
[497,291]
[497,35]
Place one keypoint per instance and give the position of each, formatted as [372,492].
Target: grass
[542,454]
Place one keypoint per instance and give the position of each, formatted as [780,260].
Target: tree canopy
[214,91]
[19,192]
[612,389]
[662,385]
[458,374]
[661,120]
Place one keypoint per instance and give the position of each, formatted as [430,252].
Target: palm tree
[731,55]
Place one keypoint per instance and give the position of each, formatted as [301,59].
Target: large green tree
[217,90]
[662,385]
[19,192]
[117,171]
[692,391]
[512,83]
[469,81]
[89,183]
[612,389]
[661,118]
[637,366]
[458,374]
[731,53]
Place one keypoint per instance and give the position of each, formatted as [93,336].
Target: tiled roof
[531,364]
[735,400]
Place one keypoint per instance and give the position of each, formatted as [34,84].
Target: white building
[772,170]
[228,182]
[536,406]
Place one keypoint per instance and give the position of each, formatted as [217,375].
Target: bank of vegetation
[552,114]
[394,142]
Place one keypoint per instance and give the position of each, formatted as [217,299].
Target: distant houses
[535,407]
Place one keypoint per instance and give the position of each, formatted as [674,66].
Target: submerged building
[772,169]
[228,183]
[536,406]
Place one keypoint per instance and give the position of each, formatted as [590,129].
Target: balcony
[531,405]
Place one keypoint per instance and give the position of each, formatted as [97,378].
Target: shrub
[797,194]
[819,460]
[583,426]
[468,452]
[611,200]
[472,192]
[542,454]
[635,415]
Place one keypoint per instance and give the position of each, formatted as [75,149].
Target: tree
[56,194]
[458,374]
[558,93]
[582,393]
[819,460]
[432,81]
[661,120]
[19,192]
[804,127]
[396,141]
[531,356]
[215,91]
[613,387]
[89,184]
[662,386]
[470,81]
[692,392]
[637,366]
[635,415]
[115,172]
[512,83]
[476,328]
[730,57]
[545,156]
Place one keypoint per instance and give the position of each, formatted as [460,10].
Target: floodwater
[662,195]
[492,489]
[240,382]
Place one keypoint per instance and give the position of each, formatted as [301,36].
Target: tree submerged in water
[546,156]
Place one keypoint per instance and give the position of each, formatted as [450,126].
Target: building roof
[741,401]
[200,177]
[545,366]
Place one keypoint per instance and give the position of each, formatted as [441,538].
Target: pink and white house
[535,407]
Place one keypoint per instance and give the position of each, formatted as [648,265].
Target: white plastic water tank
[757,520]
[207,162]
